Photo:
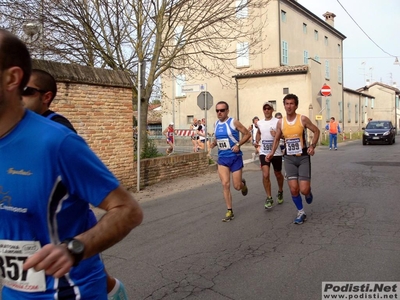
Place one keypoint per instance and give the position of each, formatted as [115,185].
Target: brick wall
[170,167]
[98,103]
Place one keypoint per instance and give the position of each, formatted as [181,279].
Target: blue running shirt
[226,136]
[48,177]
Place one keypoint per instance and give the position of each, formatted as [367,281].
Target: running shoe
[309,198]
[268,203]
[280,197]
[245,190]
[301,218]
[228,216]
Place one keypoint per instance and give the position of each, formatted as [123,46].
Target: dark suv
[379,132]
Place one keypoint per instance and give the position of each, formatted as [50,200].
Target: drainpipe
[237,99]
[343,102]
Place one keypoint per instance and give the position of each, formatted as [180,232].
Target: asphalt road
[182,250]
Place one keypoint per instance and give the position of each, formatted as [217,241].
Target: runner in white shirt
[265,138]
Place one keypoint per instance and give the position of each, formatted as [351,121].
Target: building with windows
[300,53]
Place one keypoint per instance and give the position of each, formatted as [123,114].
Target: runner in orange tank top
[297,155]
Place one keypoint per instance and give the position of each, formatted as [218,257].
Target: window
[316,58]
[316,35]
[340,112]
[285,58]
[179,40]
[362,113]
[304,28]
[179,82]
[328,109]
[339,71]
[327,71]
[356,112]
[242,51]
[339,48]
[285,91]
[273,103]
[241,9]
[373,102]
[326,41]
[283,16]
[349,112]
[397,101]
[189,119]
[305,57]
[366,102]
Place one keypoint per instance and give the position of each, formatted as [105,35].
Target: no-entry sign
[326,90]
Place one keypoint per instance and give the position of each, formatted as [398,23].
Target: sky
[362,58]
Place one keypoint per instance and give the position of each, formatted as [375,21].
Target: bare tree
[195,36]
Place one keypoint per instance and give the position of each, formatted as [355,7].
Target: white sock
[115,289]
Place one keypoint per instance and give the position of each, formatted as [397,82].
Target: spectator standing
[38,96]
[194,137]
[253,130]
[334,129]
[265,138]
[230,157]
[50,177]
[297,155]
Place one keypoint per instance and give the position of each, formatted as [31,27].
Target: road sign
[191,88]
[205,98]
[318,117]
[326,90]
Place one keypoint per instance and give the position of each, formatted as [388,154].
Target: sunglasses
[30,91]
[221,110]
[267,108]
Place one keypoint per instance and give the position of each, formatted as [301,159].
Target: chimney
[329,18]
[394,84]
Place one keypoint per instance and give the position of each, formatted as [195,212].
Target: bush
[149,149]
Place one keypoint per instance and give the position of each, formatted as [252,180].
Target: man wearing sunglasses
[265,137]
[38,96]
[49,248]
[230,157]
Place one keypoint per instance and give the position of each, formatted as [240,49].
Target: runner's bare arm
[309,125]
[278,135]
[246,135]
[123,213]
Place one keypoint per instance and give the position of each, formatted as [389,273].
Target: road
[183,250]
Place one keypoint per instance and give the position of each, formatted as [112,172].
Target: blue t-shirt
[226,136]
[48,177]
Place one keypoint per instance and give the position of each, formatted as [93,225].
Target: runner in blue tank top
[230,157]
[38,96]
[48,178]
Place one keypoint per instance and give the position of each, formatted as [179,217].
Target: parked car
[381,131]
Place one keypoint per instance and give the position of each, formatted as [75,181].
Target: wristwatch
[237,144]
[76,248]
[313,145]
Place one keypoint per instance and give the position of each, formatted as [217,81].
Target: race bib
[13,254]
[293,146]
[223,144]
[267,145]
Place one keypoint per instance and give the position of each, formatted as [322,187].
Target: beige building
[386,103]
[301,53]
[359,107]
